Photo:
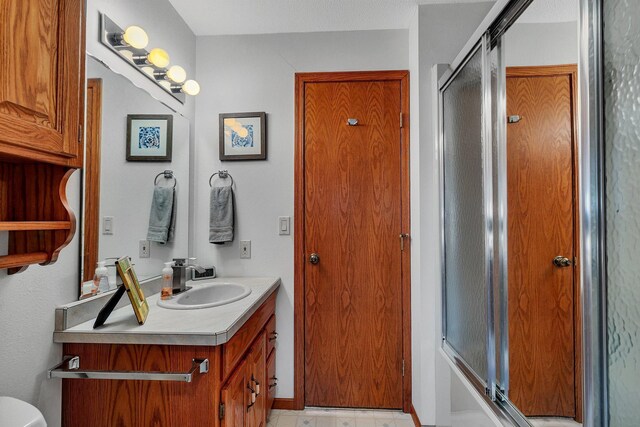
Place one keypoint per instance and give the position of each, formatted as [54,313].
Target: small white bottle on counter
[101,277]
[167,281]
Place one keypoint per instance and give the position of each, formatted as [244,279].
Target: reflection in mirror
[118,193]
[544,344]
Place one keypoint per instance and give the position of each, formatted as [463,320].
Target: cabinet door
[42,89]
[235,399]
[256,360]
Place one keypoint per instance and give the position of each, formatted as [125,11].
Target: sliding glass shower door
[621,37]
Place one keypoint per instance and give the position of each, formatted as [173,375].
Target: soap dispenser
[167,281]
[101,277]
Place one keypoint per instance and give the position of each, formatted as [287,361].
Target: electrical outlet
[145,249]
[245,249]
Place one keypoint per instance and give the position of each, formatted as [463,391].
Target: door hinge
[221,411]
[403,367]
[403,237]
[80,134]
[401,120]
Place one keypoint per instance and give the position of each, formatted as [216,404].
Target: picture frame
[132,286]
[149,137]
[243,136]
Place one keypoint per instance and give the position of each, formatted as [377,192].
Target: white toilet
[16,413]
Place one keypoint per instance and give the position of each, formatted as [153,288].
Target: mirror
[544,344]
[125,125]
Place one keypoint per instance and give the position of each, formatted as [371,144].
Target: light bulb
[158,57]
[177,74]
[136,37]
[243,132]
[191,87]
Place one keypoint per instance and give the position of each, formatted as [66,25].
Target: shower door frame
[591,212]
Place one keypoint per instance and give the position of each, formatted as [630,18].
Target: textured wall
[622,130]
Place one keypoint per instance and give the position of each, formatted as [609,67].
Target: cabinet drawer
[235,349]
[272,382]
[272,335]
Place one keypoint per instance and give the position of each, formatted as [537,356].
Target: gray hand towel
[221,215]
[162,219]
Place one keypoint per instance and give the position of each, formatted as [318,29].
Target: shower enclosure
[473,179]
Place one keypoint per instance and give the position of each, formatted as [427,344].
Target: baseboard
[284,403]
[414,416]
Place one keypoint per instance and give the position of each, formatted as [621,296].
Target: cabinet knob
[274,336]
[314,258]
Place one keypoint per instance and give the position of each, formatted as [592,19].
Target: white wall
[541,44]
[439,31]
[28,300]
[126,188]
[256,73]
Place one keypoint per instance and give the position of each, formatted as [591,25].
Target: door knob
[561,262]
[314,258]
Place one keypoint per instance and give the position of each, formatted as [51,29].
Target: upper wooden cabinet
[42,88]
[42,57]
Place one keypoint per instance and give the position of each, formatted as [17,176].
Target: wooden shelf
[20,260]
[34,225]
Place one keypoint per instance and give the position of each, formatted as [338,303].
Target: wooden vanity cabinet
[221,397]
[41,115]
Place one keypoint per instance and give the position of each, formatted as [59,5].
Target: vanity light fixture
[130,44]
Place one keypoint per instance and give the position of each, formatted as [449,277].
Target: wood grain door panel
[353,297]
[234,398]
[43,49]
[540,170]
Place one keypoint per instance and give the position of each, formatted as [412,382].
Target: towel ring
[168,174]
[222,175]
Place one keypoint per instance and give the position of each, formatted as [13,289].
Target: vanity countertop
[207,326]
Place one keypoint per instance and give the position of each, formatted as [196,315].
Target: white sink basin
[206,295]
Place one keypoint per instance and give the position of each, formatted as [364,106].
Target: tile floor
[553,422]
[322,417]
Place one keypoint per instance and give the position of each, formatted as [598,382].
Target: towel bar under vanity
[70,368]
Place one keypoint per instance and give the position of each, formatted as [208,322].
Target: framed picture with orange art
[243,136]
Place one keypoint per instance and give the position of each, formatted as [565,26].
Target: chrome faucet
[180,269]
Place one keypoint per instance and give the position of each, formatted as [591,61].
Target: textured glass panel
[622,153]
[466,292]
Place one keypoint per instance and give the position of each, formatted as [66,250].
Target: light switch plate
[107,225]
[145,249]
[245,249]
[284,225]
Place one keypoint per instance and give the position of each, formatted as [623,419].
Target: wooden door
[542,225]
[42,93]
[234,397]
[91,173]
[353,217]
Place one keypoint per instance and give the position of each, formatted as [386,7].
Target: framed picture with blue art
[243,136]
[149,137]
